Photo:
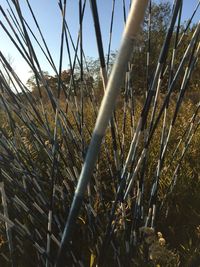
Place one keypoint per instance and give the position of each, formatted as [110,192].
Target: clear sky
[50,21]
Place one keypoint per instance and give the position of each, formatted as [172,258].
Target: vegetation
[45,133]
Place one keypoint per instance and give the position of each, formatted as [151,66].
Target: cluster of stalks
[63,201]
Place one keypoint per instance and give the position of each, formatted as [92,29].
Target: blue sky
[48,16]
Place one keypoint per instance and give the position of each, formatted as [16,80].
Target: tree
[70,84]
[160,16]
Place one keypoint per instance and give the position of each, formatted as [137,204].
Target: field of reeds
[72,195]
